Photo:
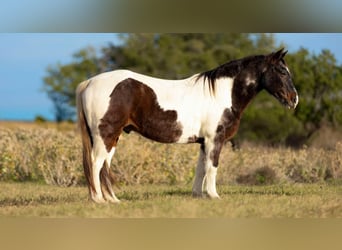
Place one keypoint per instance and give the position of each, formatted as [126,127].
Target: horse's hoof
[197,195]
[214,196]
[98,200]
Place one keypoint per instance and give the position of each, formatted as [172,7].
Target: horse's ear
[284,53]
[277,56]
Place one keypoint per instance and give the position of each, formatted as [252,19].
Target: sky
[24,58]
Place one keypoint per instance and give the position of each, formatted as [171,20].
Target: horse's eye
[282,70]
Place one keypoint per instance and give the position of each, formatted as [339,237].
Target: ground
[161,201]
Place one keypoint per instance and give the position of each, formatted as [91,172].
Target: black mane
[229,69]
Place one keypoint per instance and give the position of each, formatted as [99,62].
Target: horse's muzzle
[291,100]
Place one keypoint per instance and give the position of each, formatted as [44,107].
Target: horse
[204,108]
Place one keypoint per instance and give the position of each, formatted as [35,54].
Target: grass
[53,157]
[161,201]
[41,176]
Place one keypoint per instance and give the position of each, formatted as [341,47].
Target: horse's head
[277,79]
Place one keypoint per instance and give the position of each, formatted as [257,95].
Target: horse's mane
[229,69]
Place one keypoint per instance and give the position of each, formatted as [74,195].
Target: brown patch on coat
[133,106]
[226,129]
[195,139]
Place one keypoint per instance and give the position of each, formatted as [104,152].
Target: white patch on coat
[212,107]
[250,80]
[288,70]
[197,109]
[297,100]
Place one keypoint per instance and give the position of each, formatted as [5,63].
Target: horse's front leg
[210,182]
[207,169]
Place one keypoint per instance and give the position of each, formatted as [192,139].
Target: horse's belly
[164,127]
[165,131]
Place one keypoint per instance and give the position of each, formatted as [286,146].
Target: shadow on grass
[35,201]
[279,190]
[133,195]
[164,192]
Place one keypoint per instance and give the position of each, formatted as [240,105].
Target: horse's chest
[228,125]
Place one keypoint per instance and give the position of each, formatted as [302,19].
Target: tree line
[317,77]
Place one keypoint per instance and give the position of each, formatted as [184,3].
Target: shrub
[43,155]
[54,157]
[260,176]
[306,165]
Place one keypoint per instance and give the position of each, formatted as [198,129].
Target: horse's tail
[87,141]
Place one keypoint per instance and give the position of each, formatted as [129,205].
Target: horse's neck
[243,93]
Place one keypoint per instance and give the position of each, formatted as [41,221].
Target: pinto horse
[205,108]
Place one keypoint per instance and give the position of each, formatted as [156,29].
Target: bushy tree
[61,82]
[181,55]
[267,121]
[318,79]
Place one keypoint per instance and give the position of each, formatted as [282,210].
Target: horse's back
[108,79]
[112,78]
[96,96]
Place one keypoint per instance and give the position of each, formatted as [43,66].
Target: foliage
[181,55]
[61,82]
[39,119]
[317,78]
[268,122]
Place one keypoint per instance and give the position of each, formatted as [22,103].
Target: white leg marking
[99,154]
[111,195]
[210,171]
[210,178]
[205,178]
[97,196]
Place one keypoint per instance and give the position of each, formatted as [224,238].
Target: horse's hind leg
[99,156]
[106,179]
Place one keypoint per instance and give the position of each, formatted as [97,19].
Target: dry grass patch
[51,156]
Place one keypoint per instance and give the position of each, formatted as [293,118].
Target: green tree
[62,80]
[180,55]
[267,121]
[318,79]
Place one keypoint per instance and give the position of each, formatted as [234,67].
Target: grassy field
[161,201]
[41,176]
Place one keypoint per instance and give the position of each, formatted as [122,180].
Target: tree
[267,121]
[62,80]
[180,55]
[318,79]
